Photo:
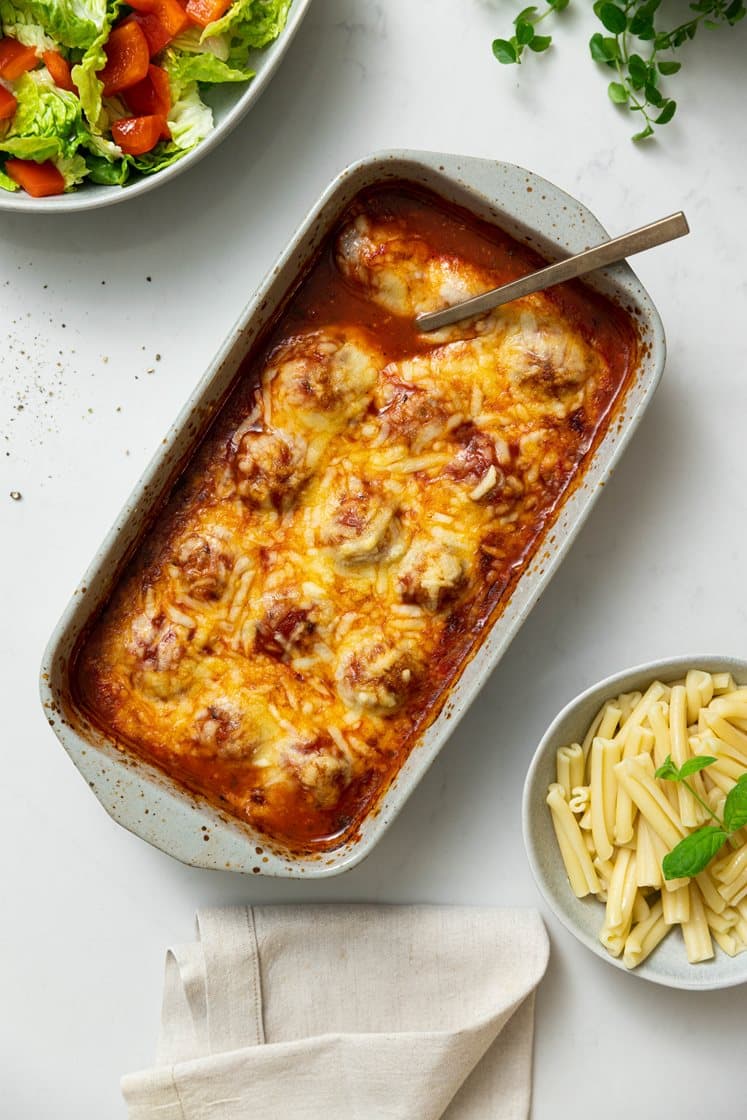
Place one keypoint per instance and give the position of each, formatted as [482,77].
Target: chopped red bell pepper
[151,96]
[160,20]
[8,104]
[137,135]
[205,11]
[37,179]
[59,68]
[127,58]
[15,59]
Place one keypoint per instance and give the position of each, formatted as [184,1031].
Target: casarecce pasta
[615,820]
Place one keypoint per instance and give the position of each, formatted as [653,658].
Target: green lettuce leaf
[255,22]
[190,120]
[163,155]
[191,41]
[47,124]
[94,58]
[103,148]
[6,183]
[73,170]
[184,69]
[17,22]
[110,173]
[74,23]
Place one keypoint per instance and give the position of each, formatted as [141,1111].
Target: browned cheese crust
[357,514]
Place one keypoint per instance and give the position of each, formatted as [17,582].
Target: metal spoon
[647,237]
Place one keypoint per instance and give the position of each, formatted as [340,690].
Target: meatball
[476,462]
[361,524]
[411,413]
[270,466]
[544,359]
[156,641]
[375,674]
[400,270]
[320,767]
[432,575]
[205,565]
[158,646]
[321,379]
[237,728]
[286,627]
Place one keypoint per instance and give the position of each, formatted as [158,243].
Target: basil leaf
[668,771]
[735,807]
[669,67]
[693,765]
[695,852]
[617,93]
[540,43]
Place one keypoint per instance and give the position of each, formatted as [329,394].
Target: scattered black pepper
[16,495]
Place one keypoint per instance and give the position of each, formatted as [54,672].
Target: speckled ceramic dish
[668,963]
[136,794]
[230,102]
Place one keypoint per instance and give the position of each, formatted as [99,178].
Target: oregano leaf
[665,116]
[524,33]
[504,51]
[613,18]
[617,93]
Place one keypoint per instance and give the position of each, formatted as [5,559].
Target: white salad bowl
[668,964]
[229,101]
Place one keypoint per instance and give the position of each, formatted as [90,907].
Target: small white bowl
[668,964]
[230,101]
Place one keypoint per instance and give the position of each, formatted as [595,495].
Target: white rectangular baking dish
[138,795]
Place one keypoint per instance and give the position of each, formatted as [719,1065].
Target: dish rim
[503,193]
[94,196]
[665,668]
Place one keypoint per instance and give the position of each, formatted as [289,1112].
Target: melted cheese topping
[296,620]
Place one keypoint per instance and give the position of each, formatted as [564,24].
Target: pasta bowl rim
[544,857]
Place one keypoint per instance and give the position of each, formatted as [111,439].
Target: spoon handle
[647,237]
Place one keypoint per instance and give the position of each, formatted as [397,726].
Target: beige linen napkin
[347,1013]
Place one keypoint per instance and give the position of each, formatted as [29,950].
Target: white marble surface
[87,302]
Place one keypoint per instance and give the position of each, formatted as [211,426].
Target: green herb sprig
[696,851]
[525,33]
[632,47]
